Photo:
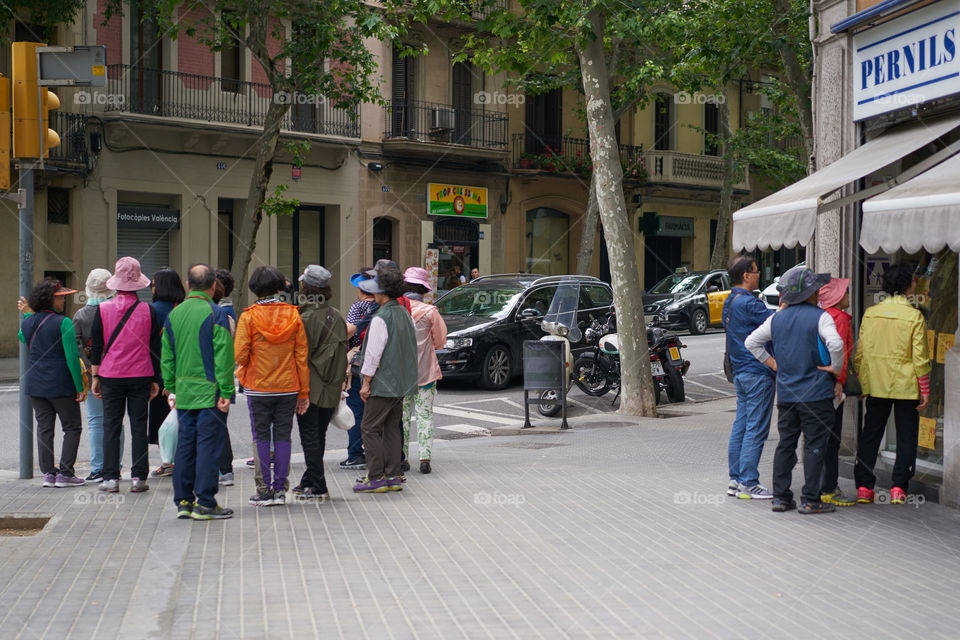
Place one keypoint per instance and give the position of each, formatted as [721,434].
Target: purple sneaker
[395,483]
[71,481]
[371,486]
[49,479]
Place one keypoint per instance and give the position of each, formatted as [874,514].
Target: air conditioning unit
[441,118]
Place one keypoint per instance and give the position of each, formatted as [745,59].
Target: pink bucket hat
[832,292]
[417,275]
[127,276]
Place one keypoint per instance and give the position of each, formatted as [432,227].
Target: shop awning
[922,213]
[789,217]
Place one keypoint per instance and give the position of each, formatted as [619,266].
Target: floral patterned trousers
[419,407]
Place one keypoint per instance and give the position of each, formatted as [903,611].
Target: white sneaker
[756,492]
[733,487]
[226,479]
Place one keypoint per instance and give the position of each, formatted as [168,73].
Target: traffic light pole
[26,283]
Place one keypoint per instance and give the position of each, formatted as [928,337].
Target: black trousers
[907,420]
[157,411]
[46,410]
[381,437]
[831,454]
[313,437]
[130,395]
[814,420]
[226,456]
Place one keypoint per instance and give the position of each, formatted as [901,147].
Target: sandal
[809,508]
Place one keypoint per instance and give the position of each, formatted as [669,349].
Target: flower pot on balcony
[527,163]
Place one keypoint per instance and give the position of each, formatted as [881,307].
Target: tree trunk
[259,181]
[589,230]
[796,77]
[637,396]
[721,245]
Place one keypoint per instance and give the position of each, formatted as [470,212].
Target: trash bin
[544,369]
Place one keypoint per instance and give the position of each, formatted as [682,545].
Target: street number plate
[674,353]
[656,368]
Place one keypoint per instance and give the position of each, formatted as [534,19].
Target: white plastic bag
[167,437]
[343,417]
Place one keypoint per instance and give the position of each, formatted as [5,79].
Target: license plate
[674,353]
[656,368]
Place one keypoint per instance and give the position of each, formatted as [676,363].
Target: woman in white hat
[431,335]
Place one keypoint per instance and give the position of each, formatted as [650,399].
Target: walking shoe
[809,508]
[162,471]
[359,463]
[50,480]
[756,492]
[404,466]
[264,499]
[371,486]
[299,490]
[305,493]
[779,506]
[897,495]
[201,512]
[733,487]
[138,486]
[425,466]
[95,476]
[250,462]
[839,498]
[227,479]
[184,509]
[110,486]
[394,483]
[68,481]
[864,495]
[279,499]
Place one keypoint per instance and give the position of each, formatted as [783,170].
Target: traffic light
[29,139]
[650,223]
[4,133]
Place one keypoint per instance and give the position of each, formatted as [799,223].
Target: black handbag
[852,386]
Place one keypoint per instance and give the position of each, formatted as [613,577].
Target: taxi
[687,300]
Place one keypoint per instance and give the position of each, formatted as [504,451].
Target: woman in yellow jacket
[271,349]
[893,363]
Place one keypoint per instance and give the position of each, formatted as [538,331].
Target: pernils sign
[456,200]
[907,61]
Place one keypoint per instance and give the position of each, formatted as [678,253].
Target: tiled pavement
[605,531]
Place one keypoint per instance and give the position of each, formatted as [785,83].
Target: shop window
[58,206]
[382,239]
[548,242]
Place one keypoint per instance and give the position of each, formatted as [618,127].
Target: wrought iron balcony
[72,129]
[565,155]
[445,124]
[688,169]
[155,92]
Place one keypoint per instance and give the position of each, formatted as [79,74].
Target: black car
[687,300]
[489,318]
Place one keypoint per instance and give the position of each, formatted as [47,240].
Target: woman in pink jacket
[431,335]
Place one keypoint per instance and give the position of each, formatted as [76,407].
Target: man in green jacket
[197,367]
[327,339]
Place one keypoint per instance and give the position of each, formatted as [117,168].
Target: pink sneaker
[864,495]
[68,481]
[898,495]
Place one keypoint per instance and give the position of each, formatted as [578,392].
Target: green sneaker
[201,512]
[185,509]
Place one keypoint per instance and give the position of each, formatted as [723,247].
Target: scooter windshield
[563,310]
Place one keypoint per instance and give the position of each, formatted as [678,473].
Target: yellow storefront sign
[456,200]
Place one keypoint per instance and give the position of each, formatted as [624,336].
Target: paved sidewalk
[603,531]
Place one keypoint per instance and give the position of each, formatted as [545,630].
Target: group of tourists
[290,353]
[805,354]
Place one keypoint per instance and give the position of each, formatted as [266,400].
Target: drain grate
[532,445]
[22,525]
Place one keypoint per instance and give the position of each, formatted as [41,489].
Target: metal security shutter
[150,246]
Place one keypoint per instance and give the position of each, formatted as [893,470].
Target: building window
[300,241]
[403,118]
[58,206]
[382,239]
[662,122]
[230,58]
[548,242]
[544,113]
[711,126]
[225,237]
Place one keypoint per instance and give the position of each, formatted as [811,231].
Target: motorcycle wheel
[546,407]
[675,390]
[589,378]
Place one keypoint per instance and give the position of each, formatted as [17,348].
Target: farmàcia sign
[907,61]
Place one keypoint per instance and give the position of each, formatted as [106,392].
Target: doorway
[458,242]
[146,62]
[382,239]
[300,240]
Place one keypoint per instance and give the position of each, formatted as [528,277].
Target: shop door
[661,258]
[150,246]
[458,242]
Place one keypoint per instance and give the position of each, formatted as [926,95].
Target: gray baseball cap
[316,276]
[370,285]
[797,285]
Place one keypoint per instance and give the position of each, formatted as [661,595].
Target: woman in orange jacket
[271,349]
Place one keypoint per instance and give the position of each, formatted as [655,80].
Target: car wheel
[496,368]
[698,322]
[548,408]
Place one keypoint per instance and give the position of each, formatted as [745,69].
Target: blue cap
[357,278]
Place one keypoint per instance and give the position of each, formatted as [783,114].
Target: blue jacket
[745,313]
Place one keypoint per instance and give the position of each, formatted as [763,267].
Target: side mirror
[528,313]
[713,288]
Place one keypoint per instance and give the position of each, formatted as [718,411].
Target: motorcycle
[666,364]
[598,370]
[560,324]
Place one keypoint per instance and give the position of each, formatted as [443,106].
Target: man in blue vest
[806,387]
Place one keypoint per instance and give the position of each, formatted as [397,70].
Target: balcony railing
[673,167]
[563,154]
[172,94]
[442,123]
[72,128]
[480,10]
